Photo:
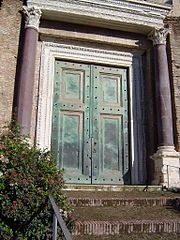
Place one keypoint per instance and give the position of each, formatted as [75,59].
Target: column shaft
[163,97]
[26,80]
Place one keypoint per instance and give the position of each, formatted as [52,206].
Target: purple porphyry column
[27,71]
[163,90]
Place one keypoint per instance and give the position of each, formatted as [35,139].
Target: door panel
[110,126]
[71,116]
[71,125]
[72,85]
[110,143]
[110,89]
[90,123]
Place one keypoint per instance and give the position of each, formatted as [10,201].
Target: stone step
[100,221]
[116,194]
[128,213]
[115,202]
[116,228]
[101,199]
[132,236]
[111,214]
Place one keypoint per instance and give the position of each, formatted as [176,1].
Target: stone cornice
[32,17]
[154,3]
[127,15]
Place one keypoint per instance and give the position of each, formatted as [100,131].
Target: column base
[166,167]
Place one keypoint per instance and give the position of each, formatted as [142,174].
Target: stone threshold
[117,188]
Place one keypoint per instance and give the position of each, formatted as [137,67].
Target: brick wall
[174,24]
[10,22]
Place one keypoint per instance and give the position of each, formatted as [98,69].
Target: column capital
[32,17]
[158,36]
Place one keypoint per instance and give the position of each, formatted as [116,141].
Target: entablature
[125,15]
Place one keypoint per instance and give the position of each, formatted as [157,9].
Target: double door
[90,123]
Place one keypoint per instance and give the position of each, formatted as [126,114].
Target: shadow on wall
[169,2]
[1,3]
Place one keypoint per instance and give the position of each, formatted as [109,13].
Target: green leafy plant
[27,177]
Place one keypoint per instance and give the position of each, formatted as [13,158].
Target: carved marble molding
[135,16]
[158,36]
[75,52]
[32,17]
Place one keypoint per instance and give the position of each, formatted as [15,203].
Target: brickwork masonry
[10,23]
[174,25]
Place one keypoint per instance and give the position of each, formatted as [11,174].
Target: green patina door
[90,123]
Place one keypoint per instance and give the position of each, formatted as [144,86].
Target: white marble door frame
[88,54]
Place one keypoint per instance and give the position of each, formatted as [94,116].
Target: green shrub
[27,176]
